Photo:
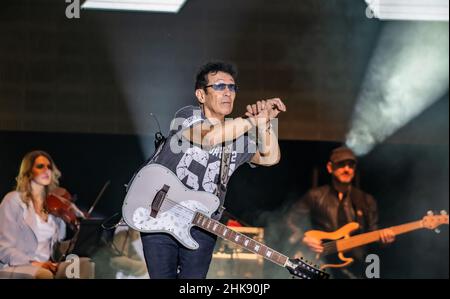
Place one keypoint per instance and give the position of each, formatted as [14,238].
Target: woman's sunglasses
[42,166]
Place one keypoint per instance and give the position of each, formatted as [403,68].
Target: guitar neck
[242,240]
[367,238]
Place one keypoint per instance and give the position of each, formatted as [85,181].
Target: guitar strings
[329,247]
[172,203]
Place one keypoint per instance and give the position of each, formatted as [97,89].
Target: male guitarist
[193,151]
[328,208]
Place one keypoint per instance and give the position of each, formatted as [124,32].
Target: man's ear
[201,96]
[329,167]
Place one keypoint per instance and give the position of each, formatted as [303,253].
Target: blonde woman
[28,233]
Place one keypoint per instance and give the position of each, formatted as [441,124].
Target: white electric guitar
[157,202]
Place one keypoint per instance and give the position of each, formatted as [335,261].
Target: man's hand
[387,236]
[268,109]
[46,265]
[313,244]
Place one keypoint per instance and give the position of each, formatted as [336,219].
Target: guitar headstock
[432,221]
[304,270]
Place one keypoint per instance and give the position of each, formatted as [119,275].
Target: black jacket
[318,210]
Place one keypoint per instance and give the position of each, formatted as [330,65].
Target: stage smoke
[408,73]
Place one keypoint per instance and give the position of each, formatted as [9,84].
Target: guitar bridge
[158,200]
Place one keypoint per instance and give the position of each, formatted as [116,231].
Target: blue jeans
[167,258]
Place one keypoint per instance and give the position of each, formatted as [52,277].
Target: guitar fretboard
[242,240]
[366,238]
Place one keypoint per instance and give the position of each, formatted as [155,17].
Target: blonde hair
[26,175]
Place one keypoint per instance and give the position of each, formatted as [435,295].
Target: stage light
[171,6]
[421,10]
[407,74]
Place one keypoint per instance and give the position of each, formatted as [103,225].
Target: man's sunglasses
[221,87]
[342,164]
[42,166]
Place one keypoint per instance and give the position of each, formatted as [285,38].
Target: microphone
[159,137]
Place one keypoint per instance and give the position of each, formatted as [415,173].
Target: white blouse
[46,231]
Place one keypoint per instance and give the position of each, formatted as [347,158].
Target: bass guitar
[340,241]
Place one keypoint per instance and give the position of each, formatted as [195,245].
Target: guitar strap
[360,210]
[224,171]
[160,141]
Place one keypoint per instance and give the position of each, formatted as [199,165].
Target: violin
[60,203]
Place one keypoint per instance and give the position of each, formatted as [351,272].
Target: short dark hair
[213,67]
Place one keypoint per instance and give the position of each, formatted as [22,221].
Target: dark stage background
[83,90]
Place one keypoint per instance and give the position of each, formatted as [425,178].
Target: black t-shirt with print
[195,167]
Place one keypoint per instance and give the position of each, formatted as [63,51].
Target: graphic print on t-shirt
[195,162]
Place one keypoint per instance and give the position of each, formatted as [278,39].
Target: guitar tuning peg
[430,213]
[437,231]
[443,212]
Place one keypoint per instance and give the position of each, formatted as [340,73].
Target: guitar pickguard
[176,220]
[178,208]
